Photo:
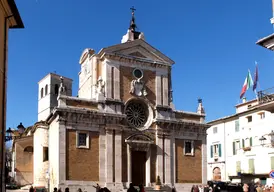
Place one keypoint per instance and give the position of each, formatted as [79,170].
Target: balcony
[266,100]
[247,148]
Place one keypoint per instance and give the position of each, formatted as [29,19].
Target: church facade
[121,128]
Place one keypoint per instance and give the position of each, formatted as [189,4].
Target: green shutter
[211,151]
[237,125]
[250,141]
[234,149]
[272,162]
[251,165]
[220,150]
[243,143]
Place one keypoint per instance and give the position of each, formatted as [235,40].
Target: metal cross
[132,9]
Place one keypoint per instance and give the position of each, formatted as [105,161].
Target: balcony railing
[266,95]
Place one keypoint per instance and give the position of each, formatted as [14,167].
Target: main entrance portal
[138,167]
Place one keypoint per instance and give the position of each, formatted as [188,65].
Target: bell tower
[48,92]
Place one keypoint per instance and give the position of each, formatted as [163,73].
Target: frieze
[140,62]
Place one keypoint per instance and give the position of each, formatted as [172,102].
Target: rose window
[137,114]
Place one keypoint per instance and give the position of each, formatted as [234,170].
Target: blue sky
[212,43]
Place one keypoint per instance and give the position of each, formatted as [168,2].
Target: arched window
[28,149]
[42,93]
[46,90]
[56,87]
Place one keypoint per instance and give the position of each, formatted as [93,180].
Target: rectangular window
[262,115]
[236,146]
[249,119]
[45,154]
[82,140]
[251,166]
[215,130]
[189,148]
[237,126]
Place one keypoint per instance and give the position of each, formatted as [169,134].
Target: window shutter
[272,162]
[251,165]
[238,166]
[234,149]
[243,143]
[220,150]
[211,151]
[250,141]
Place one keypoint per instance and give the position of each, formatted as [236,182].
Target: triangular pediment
[138,49]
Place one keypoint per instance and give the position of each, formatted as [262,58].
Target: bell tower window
[56,87]
[46,90]
[42,92]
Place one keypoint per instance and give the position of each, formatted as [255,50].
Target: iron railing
[266,95]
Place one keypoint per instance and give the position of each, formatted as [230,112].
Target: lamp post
[10,133]
[262,140]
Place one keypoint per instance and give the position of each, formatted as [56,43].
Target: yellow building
[9,18]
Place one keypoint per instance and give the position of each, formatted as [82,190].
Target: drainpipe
[4,101]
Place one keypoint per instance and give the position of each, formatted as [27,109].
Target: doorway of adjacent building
[217,176]
[138,167]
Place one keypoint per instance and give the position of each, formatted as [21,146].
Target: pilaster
[148,170]
[158,90]
[62,153]
[204,160]
[102,155]
[159,160]
[108,81]
[118,157]
[172,159]
[165,91]
[129,176]
[109,156]
[168,154]
[117,82]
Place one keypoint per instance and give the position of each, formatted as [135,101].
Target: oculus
[137,73]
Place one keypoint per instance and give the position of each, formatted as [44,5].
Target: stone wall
[24,161]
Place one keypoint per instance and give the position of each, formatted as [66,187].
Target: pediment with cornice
[137,49]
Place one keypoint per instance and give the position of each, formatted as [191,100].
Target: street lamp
[262,139]
[10,132]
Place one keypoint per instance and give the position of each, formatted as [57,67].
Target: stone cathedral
[121,128]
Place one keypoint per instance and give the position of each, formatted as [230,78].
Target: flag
[256,78]
[247,84]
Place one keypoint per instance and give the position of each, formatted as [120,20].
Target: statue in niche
[138,88]
[100,86]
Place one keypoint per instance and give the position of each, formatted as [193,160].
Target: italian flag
[247,84]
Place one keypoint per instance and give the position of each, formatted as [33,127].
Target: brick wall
[82,164]
[125,83]
[188,168]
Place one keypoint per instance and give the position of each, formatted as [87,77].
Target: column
[117,82]
[129,176]
[174,157]
[148,163]
[167,161]
[204,160]
[118,157]
[102,156]
[109,156]
[94,75]
[158,90]
[165,91]
[159,160]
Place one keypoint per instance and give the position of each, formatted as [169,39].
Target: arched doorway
[217,176]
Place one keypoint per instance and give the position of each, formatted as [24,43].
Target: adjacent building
[9,18]
[240,146]
[121,128]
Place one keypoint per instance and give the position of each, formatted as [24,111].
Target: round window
[136,114]
[137,73]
